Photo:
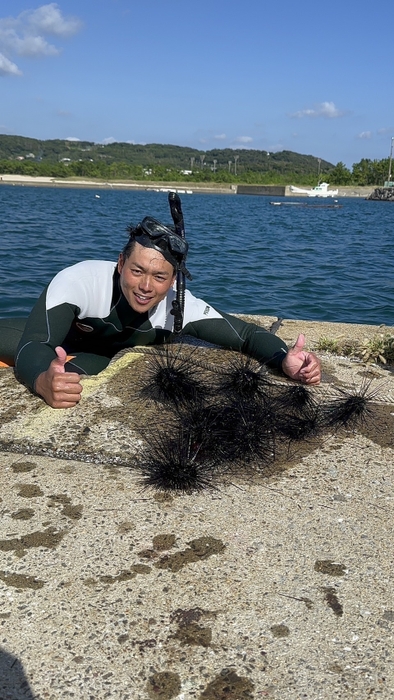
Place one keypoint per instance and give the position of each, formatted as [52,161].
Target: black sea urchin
[296,427]
[231,434]
[174,463]
[294,399]
[244,378]
[173,378]
[349,408]
[245,433]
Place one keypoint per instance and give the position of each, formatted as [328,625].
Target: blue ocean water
[305,261]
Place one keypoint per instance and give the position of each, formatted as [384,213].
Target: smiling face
[145,277]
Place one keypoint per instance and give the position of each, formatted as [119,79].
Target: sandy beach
[181,188]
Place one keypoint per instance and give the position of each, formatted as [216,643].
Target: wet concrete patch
[104,425]
[330,568]
[21,581]
[280,631]
[199,549]
[29,490]
[331,598]
[194,634]
[189,631]
[228,686]
[74,512]
[49,539]
[163,542]
[379,427]
[23,514]
[164,685]
[18,467]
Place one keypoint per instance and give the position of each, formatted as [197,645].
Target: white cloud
[110,139]
[25,35]
[72,138]
[365,135]
[243,139]
[33,46]
[7,67]
[323,109]
[220,137]
[386,130]
[48,19]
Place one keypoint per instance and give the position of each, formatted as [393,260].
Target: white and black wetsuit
[84,310]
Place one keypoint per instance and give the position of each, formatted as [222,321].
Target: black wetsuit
[84,310]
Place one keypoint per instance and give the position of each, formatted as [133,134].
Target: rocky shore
[383,194]
[278,585]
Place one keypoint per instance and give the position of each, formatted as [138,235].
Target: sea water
[303,259]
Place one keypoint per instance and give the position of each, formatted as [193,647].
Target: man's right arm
[45,330]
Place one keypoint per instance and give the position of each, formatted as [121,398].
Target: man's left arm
[231,332]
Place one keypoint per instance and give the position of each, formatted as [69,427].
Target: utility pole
[191,162]
[318,170]
[391,160]
[236,158]
[214,165]
[202,160]
[229,165]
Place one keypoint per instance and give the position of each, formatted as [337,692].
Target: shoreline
[180,187]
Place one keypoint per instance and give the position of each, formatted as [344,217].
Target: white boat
[318,191]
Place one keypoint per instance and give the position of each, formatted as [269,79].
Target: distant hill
[235,162]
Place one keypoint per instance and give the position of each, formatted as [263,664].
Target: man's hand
[301,365]
[59,388]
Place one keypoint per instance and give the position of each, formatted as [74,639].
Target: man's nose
[145,282]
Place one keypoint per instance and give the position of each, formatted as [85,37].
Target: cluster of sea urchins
[238,417]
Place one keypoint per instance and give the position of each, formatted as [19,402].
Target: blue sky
[310,77]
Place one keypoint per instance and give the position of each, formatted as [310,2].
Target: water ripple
[302,262]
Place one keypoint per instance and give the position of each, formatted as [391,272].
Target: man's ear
[120,262]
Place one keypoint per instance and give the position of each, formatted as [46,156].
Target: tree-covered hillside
[166,163]
[152,157]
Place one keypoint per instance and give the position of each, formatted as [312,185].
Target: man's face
[145,277]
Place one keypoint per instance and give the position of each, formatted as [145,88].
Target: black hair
[130,245]
[127,250]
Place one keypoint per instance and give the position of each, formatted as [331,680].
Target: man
[92,310]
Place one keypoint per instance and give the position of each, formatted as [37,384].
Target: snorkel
[171,242]
[178,305]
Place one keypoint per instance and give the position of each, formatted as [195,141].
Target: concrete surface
[279,586]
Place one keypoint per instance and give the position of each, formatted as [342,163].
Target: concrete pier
[277,586]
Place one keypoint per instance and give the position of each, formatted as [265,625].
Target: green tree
[340,175]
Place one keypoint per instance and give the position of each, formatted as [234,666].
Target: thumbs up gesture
[59,388]
[301,365]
